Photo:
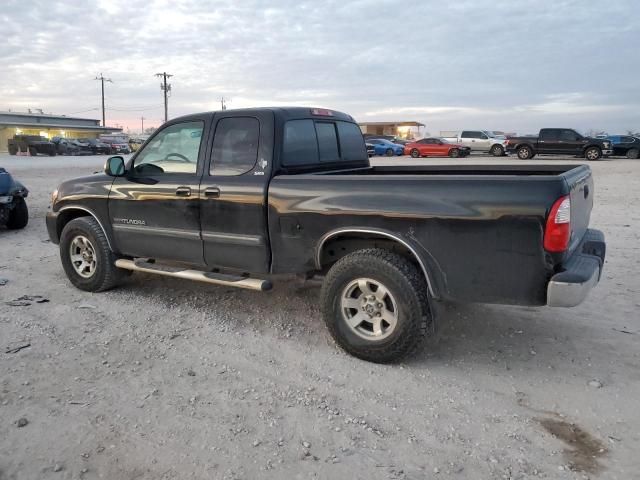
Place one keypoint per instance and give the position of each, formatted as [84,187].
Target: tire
[524,152]
[497,151]
[407,296]
[415,153]
[33,151]
[13,150]
[454,153]
[633,153]
[19,216]
[389,152]
[593,153]
[52,154]
[104,274]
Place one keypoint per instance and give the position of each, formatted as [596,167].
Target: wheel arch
[71,212]
[349,239]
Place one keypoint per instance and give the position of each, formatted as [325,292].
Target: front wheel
[454,153]
[86,257]
[33,152]
[497,151]
[633,153]
[593,153]
[415,153]
[375,305]
[19,216]
[389,152]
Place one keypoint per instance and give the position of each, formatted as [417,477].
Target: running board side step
[141,265]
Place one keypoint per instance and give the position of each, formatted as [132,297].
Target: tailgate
[580,183]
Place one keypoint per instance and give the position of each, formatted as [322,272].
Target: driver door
[154,209]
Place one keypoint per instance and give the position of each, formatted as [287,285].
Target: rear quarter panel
[480,236]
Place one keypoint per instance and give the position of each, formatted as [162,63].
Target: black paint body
[476,230]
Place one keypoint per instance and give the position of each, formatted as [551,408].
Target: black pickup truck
[34,144]
[559,141]
[234,197]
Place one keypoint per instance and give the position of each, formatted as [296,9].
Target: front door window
[173,150]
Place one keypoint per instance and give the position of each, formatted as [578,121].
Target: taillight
[558,230]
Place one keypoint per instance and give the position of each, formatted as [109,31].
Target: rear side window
[307,142]
[471,135]
[235,146]
[300,143]
[549,134]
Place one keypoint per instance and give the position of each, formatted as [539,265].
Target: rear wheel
[33,152]
[19,216]
[497,151]
[454,153]
[375,305]
[415,153]
[524,152]
[13,150]
[633,153]
[86,257]
[593,153]
[389,152]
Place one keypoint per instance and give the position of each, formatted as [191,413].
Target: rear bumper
[581,272]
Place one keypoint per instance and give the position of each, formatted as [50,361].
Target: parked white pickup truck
[480,141]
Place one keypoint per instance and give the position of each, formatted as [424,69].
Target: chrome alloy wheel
[593,154]
[369,309]
[83,256]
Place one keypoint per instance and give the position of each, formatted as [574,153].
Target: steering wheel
[181,157]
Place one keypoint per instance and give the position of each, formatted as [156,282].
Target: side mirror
[114,167]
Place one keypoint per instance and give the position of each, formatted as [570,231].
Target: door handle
[212,192]
[183,191]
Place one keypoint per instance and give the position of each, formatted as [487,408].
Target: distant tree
[150,130]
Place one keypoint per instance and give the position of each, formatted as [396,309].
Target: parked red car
[435,147]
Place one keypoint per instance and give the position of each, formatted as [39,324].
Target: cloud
[503,64]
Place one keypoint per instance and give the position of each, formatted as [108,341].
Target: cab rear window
[309,142]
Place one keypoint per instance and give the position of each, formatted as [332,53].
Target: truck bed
[466,221]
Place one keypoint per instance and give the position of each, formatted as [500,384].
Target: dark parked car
[559,141]
[235,196]
[625,145]
[117,146]
[34,144]
[67,146]
[97,147]
[14,213]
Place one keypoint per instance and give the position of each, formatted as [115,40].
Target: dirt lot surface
[164,379]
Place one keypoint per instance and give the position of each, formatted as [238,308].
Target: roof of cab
[285,113]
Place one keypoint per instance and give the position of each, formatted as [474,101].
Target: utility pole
[142,126]
[223,103]
[164,86]
[102,80]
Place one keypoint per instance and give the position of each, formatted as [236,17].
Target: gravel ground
[164,379]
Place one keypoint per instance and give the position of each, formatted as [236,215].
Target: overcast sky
[495,64]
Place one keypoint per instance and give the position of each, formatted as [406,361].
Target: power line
[102,80]
[134,109]
[166,88]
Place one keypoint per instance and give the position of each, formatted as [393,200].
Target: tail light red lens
[558,229]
